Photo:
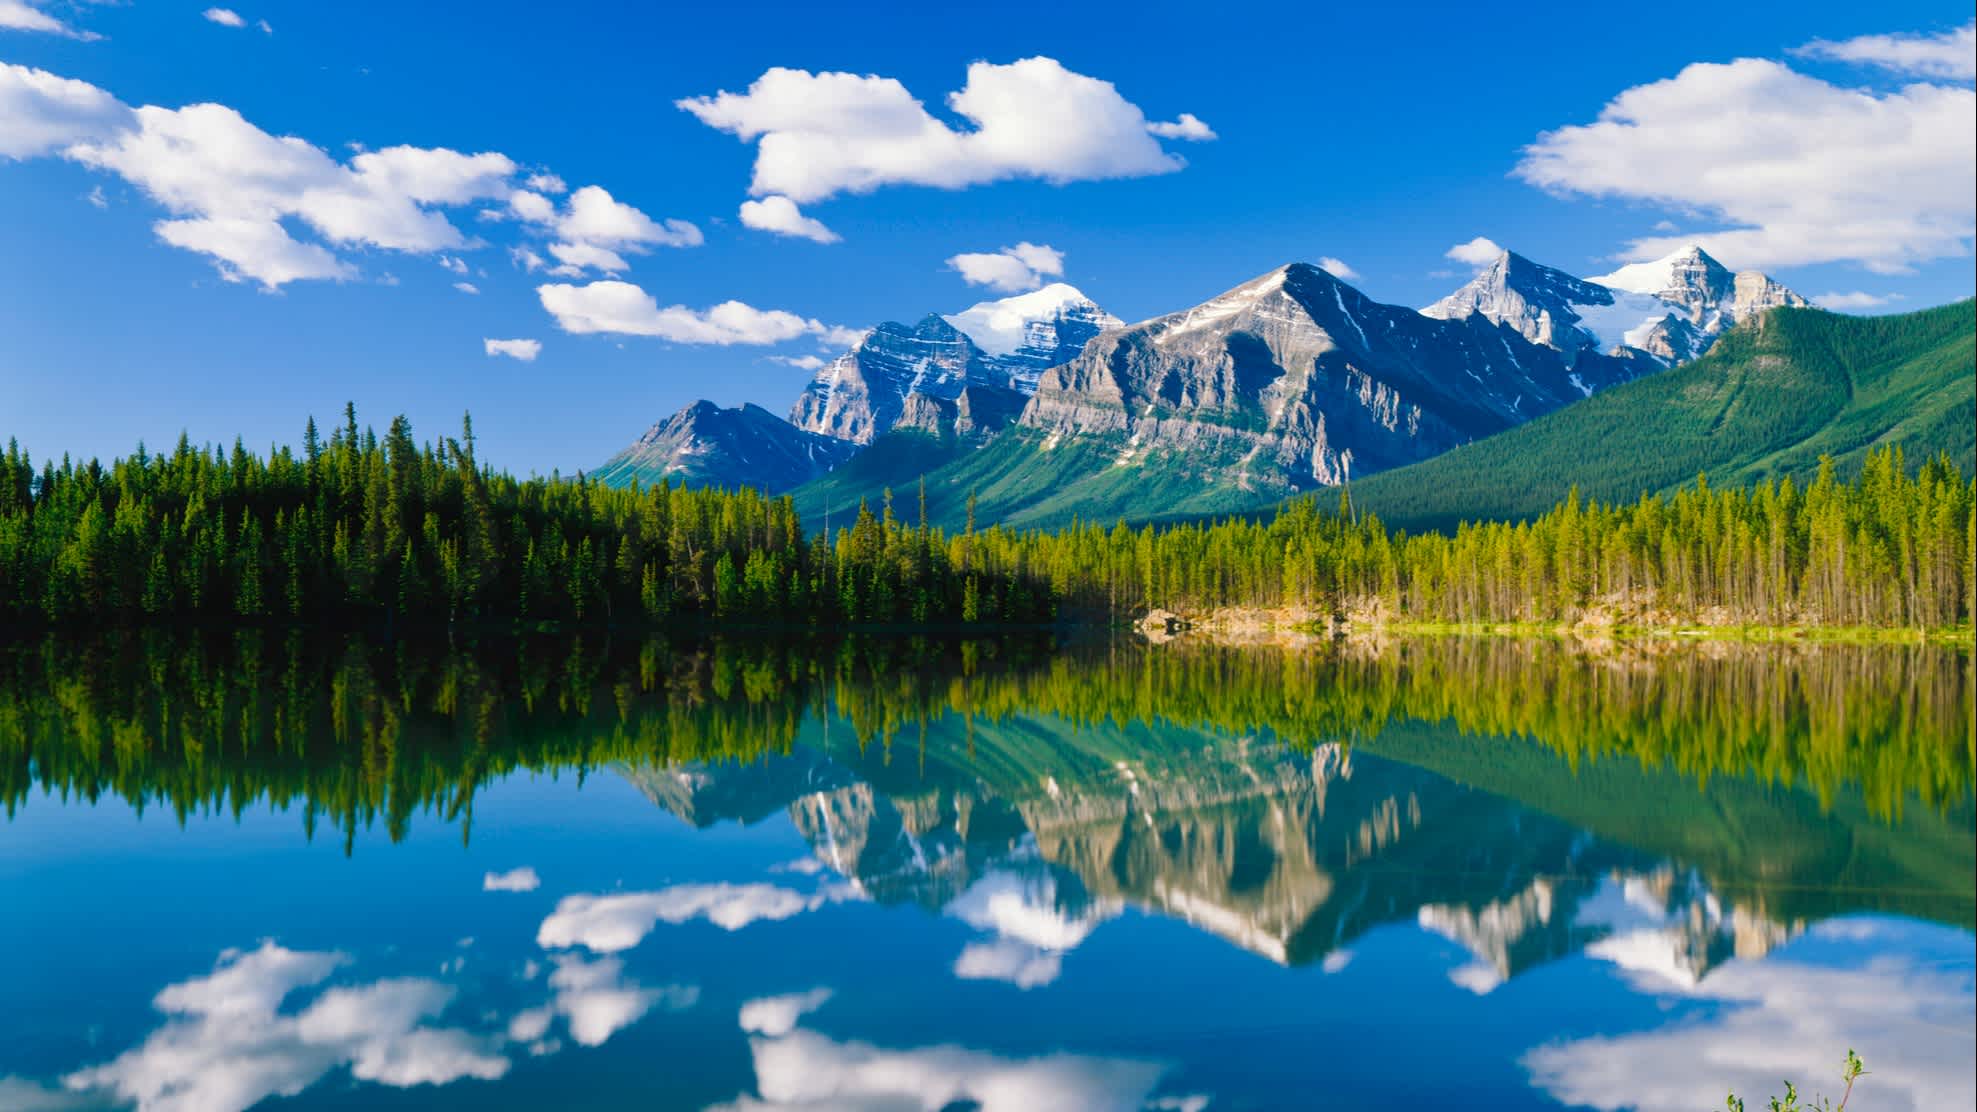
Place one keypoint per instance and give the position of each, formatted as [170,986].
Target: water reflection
[1633,880]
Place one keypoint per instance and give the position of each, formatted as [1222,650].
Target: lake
[910,873]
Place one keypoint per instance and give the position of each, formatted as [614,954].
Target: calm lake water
[1008,875]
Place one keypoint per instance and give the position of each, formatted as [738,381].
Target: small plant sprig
[1849,1073]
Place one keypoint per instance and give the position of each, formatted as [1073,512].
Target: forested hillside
[1767,402]
[368,528]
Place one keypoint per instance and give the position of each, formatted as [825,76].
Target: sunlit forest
[366,528]
[357,731]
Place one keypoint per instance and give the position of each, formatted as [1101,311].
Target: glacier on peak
[1004,326]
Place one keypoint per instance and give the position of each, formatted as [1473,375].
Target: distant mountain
[992,346]
[1672,309]
[706,445]
[957,379]
[1290,381]
[1772,395]
[1022,336]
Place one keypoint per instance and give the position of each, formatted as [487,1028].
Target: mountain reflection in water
[1673,813]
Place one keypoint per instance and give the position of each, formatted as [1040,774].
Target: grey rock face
[1295,380]
[1672,309]
[862,393]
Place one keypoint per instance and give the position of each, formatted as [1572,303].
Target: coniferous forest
[362,527]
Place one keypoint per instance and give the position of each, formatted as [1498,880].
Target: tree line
[363,527]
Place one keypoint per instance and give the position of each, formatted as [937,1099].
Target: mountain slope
[1291,381]
[1767,401]
[706,445]
[1671,309]
[991,346]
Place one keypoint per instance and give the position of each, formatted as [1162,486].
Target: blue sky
[1378,135]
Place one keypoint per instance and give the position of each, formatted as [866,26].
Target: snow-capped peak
[1687,269]
[1004,326]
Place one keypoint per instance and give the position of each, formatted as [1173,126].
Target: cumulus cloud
[467,287]
[1011,269]
[594,230]
[620,921]
[1188,127]
[1479,252]
[26,15]
[1337,268]
[1774,1018]
[820,134]
[780,215]
[776,1016]
[225,17]
[41,113]
[232,189]
[1798,170]
[806,1070]
[245,198]
[1858,299]
[597,1000]
[624,309]
[1948,55]
[1032,931]
[523,879]
[227,1045]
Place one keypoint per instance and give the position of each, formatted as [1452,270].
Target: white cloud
[452,263]
[225,17]
[532,206]
[1032,932]
[1188,127]
[805,1070]
[776,1016]
[1008,961]
[1949,55]
[41,113]
[800,362]
[246,198]
[1777,1018]
[1337,268]
[820,134]
[620,921]
[1800,171]
[575,257]
[594,216]
[226,1045]
[621,308]
[598,1000]
[1858,299]
[235,185]
[466,287]
[523,879]
[780,215]
[527,259]
[264,26]
[1011,269]
[24,15]
[260,250]
[1479,252]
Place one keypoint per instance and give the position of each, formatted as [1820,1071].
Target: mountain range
[1043,407]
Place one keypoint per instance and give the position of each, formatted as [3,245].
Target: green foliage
[1766,403]
[367,528]
[1890,548]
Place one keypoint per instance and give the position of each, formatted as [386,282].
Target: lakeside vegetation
[368,528]
[214,722]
